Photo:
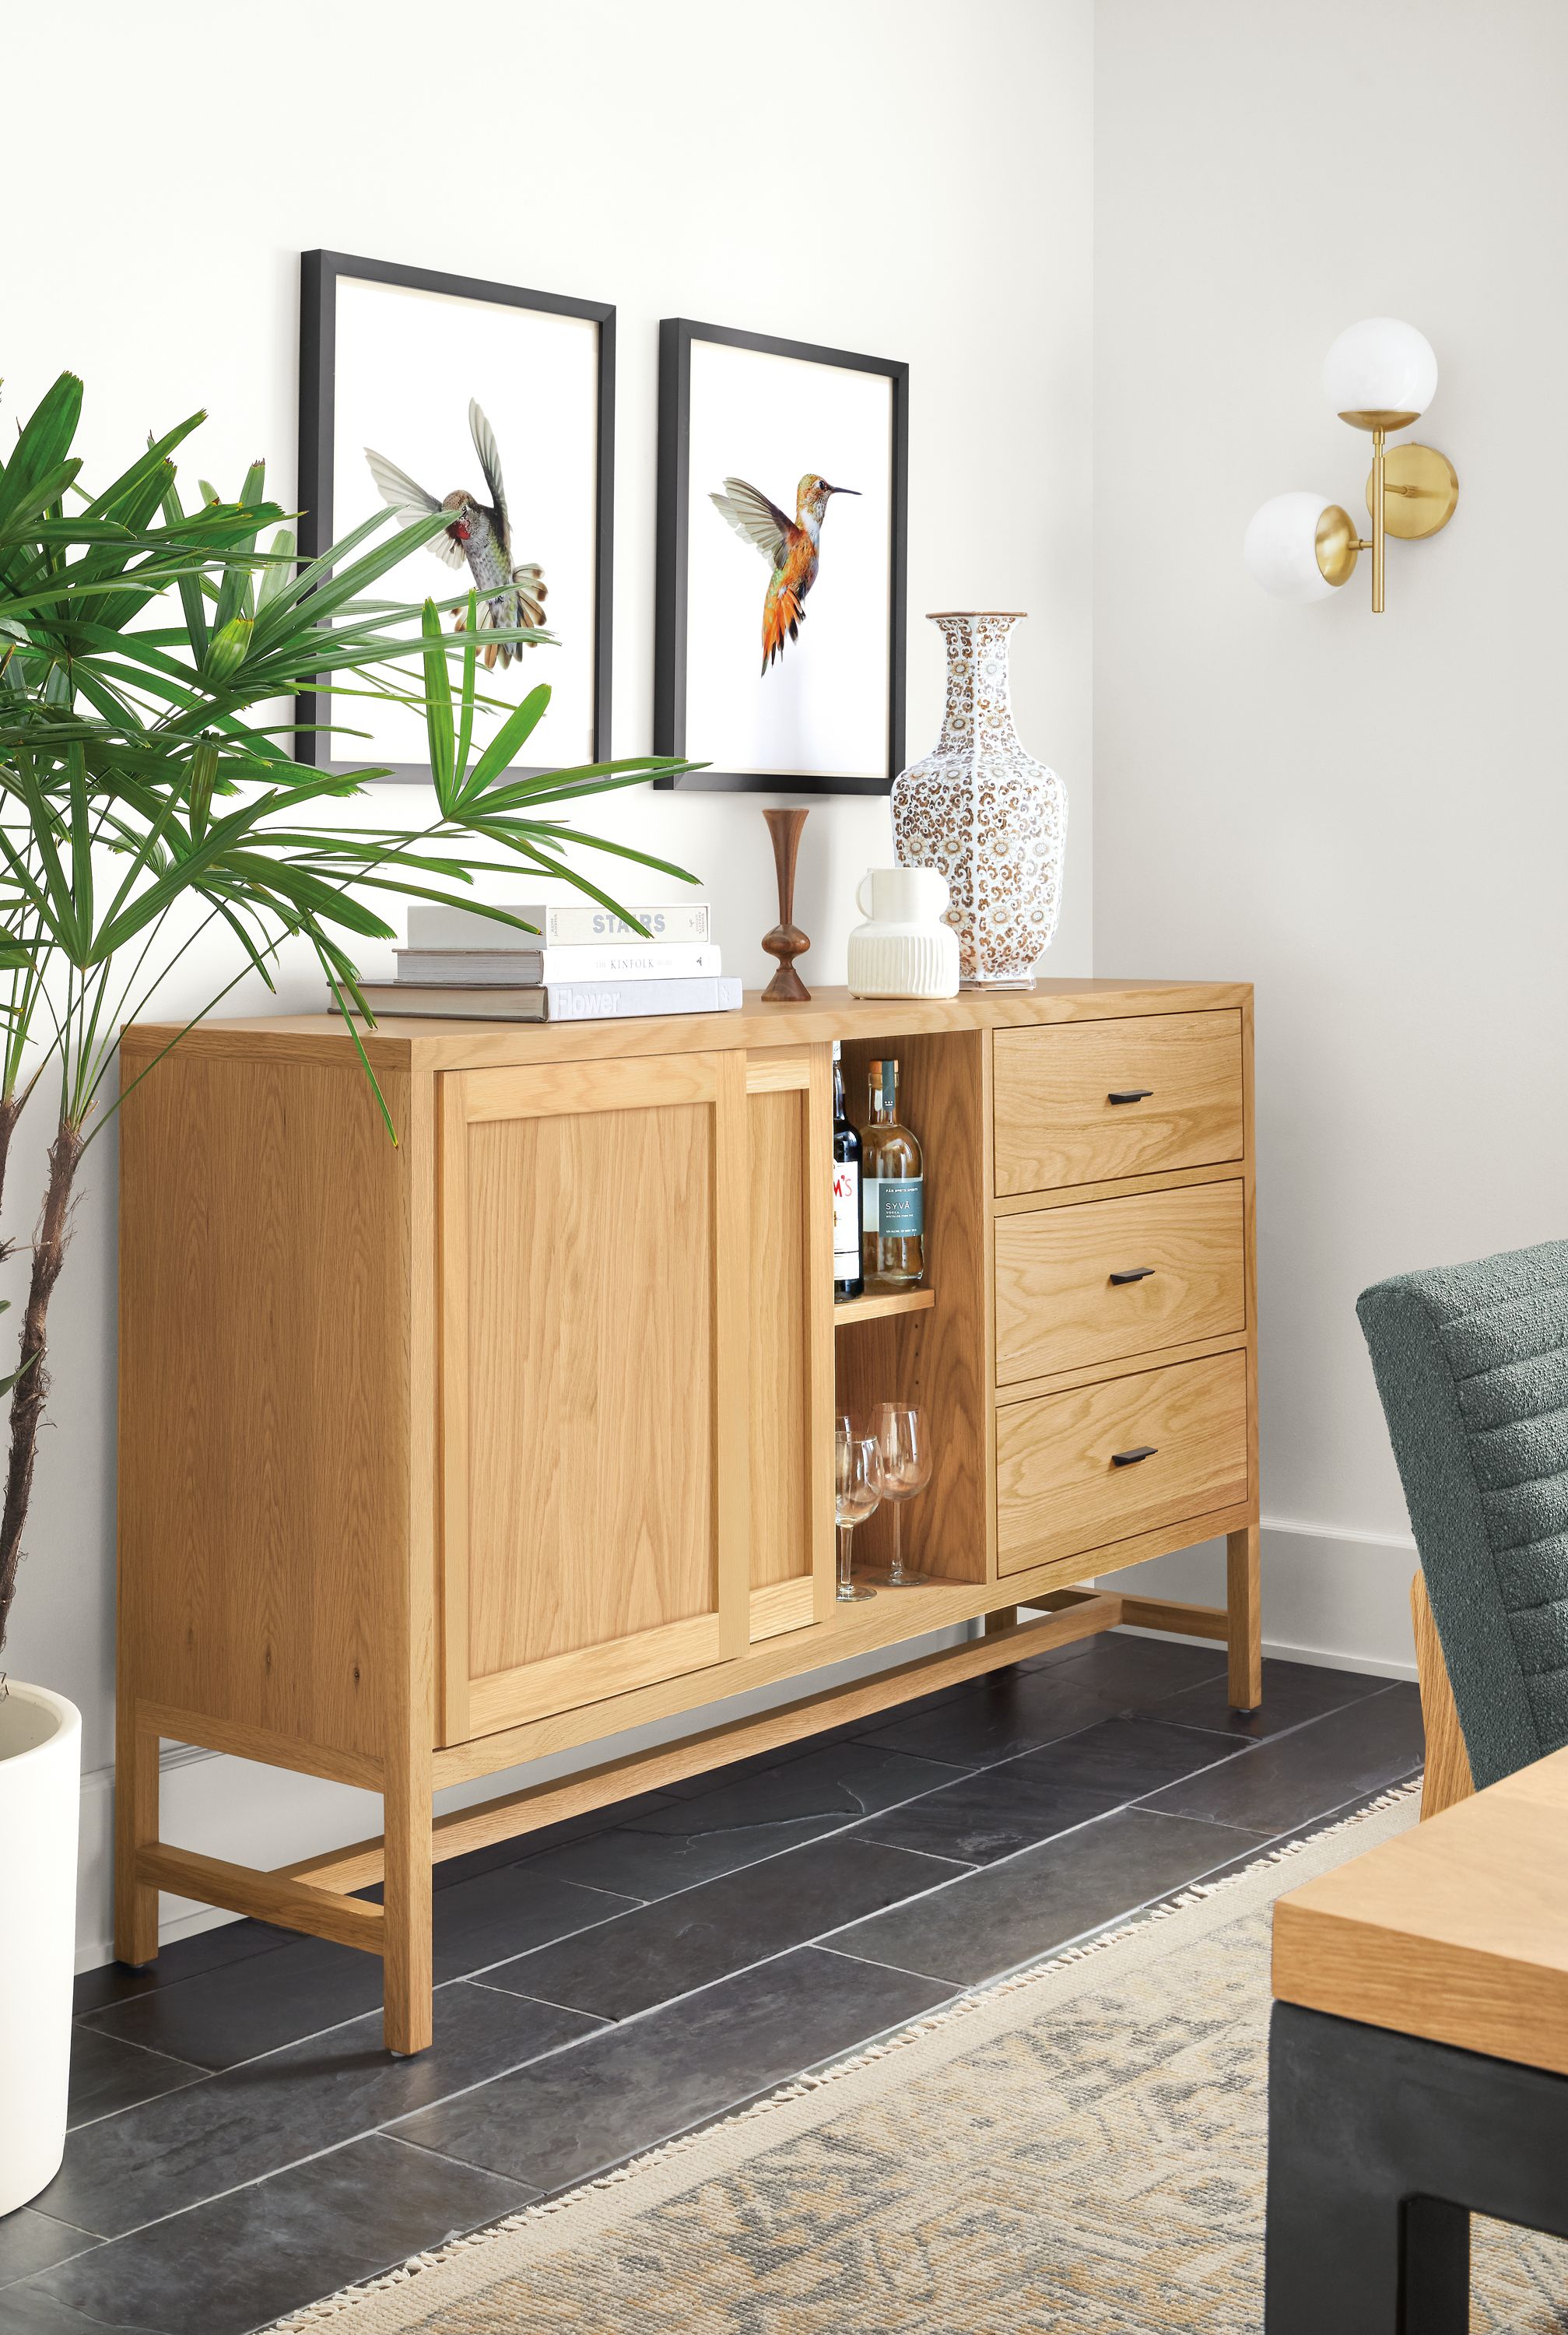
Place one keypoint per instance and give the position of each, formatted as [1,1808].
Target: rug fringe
[1197,1892]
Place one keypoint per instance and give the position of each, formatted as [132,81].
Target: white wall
[1365,816]
[874,174]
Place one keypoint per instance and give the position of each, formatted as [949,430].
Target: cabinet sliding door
[593,1392]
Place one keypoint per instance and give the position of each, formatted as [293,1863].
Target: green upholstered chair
[1471,1362]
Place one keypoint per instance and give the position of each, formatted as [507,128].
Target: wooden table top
[1456,1930]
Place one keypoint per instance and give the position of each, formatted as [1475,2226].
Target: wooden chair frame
[1447,1777]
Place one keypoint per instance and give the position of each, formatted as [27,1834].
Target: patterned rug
[1080,2147]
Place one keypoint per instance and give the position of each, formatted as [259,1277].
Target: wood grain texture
[1174,1613]
[515,1813]
[847,1632]
[1054,1122]
[280,1898]
[938,1358]
[408,2024]
[782,1480]
[782,1605]
[1447,1778]
[881,1305]
[1057,1490]
[136,1798]
[589,1389]
[403,1044]
[596,1674]
[1244,1606]
[264,1395]
[1059,1309]
[1244,1549]
[1456,1930]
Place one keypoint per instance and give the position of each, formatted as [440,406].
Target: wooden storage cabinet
[438,1458]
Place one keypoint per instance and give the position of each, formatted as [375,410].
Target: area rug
[1079,2146]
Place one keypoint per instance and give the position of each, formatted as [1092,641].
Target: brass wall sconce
[1380,377]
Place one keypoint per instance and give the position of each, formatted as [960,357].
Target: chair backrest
[1471,1362]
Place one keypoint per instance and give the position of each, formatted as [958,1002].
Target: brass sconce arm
[1380,376]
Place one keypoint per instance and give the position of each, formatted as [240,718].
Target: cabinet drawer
[1058,1490]
[1058,1308]
[1056,1113]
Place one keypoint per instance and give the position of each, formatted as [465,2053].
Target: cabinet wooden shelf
[879,1305]
[442,1457]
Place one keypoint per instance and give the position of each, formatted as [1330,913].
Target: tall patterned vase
[990,817]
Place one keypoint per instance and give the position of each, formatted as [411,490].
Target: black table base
[1380,2148]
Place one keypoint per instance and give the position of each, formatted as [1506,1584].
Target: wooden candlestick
[786,941]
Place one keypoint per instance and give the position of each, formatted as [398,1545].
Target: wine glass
[857,1491]
[899,1429]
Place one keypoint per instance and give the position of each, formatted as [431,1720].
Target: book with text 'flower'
[555,1001]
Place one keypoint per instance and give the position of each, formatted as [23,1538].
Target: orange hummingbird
[790,547]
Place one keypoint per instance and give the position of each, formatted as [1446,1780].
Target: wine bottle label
[846,1231]
[893,1206]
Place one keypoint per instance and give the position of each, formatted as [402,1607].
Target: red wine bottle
[849,1279]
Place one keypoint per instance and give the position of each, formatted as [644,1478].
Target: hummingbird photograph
[792,547]
[479,537]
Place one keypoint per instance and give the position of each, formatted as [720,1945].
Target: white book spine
[561,923]
[622,961]
[599,1001]
[631,961]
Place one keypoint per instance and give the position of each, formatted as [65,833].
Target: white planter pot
[40,1803]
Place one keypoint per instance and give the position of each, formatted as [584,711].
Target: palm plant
[147,797]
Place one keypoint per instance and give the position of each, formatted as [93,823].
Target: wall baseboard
[1337,1598]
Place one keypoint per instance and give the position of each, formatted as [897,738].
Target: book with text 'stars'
[557,923]
[555,1001]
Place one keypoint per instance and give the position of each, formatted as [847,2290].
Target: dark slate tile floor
[241,2145]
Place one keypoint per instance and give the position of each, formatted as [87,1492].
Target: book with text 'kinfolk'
[553,1001]
[557,923]
[525,967]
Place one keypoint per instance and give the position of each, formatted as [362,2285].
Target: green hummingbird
[479,535]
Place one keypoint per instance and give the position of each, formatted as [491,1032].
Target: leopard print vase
[990,817]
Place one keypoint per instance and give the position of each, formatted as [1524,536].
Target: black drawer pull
[1136,1273]
[1130,1094]
[1131,1459]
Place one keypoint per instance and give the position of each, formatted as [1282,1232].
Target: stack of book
[582,962]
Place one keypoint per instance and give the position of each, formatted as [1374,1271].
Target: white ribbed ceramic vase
[40,1798]
[990,817]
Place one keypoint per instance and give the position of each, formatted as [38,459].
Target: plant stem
[31,1386]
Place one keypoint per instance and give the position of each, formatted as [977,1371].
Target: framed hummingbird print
[783,519]
[421,392]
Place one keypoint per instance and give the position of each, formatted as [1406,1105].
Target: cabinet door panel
[790,1394]
[594,1453]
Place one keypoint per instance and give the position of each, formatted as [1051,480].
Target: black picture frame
[676,335]
[318,281]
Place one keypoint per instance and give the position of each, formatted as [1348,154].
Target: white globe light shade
[1380,366]
[1280,548]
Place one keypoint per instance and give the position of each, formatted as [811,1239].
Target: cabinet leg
[135,1827]
[1243,1605]
[1003,1618]
[408,2018]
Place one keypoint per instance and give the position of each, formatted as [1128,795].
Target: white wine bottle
[892,1189]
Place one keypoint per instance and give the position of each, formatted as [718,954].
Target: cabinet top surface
[430,1044]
